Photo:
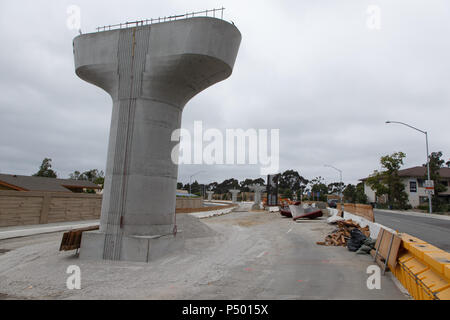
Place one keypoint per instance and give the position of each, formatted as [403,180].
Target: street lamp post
[340,177]
[428,157]
[190,178]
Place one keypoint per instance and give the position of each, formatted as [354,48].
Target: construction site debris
[334,219]
[367,245]
[356,240]
[341,235]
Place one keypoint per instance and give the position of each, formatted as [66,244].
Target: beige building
[413,179]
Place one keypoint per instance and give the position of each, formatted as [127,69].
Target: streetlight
[428,158]
[340,177]
[190,177]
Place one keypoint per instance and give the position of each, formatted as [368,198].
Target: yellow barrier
[423,269]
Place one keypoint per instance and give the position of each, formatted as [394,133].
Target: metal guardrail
[215,13]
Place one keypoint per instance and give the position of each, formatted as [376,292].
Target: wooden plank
[385,239]
[45,208]
[71,240]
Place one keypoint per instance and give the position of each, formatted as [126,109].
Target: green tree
[350,193]
[75,175]
[387,182]
[245,184]
[360,195]
[319,187]
[291,182]
[93,175]
[355,194]
[222,188]
[45,170]
[212,186]
[335,187]
[195,188]
[436,163]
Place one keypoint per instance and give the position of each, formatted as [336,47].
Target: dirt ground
[241,255]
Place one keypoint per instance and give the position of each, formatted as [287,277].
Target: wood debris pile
[341,235]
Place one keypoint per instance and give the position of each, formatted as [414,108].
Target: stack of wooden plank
[341,235]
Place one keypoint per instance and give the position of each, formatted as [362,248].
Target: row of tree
[94,175]
[290,184]
[386,182]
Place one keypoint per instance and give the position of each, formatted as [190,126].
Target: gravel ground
[242,255]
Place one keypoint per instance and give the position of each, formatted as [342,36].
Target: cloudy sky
[312,69]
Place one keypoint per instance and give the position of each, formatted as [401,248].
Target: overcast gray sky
[312,68]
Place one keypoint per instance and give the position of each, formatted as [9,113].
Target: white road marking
[261,254]
[289,230]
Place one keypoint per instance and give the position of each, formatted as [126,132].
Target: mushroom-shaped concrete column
[257,189]
[150,72]
[209,193]
[234,193]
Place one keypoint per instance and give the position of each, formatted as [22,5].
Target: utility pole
[341,184]
[190,179]
[428,187]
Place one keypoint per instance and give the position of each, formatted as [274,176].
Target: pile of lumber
[341,235]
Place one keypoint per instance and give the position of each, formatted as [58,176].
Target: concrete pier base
[133,248]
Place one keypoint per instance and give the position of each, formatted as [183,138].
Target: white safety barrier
[373,226]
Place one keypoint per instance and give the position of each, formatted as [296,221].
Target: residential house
[31,183]
[413,179]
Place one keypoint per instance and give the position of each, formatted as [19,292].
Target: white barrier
[212,213]
[373,226]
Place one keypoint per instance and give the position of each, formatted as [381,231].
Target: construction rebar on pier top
[150,72]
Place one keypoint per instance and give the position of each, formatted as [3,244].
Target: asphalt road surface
[432,230]
[241,255]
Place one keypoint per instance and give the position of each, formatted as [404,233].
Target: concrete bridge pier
[257,189]
[150,72]
[209,193]
[234,193]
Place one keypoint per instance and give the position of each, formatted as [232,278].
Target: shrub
[423,207]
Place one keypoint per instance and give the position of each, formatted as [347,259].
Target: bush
[423,207]
[381,206]
[401,207]
[443,208]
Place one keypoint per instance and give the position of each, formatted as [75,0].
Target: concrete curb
[25,231]
[213,213]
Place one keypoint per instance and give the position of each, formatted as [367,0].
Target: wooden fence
[33,207]
[185,203]
[362,210]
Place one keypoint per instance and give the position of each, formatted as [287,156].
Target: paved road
[432,230]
